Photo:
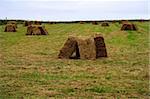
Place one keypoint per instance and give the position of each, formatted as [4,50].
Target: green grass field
[30,68]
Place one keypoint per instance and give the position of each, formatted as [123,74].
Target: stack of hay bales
[36,30]
[27,23]
[94,23]
[104,24]
[13,22]
[10,28]
[129,26]
[83,48]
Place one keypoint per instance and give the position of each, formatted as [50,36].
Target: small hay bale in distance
[37,23]
[52,22]
[104,24]
[12,22]
[94,23]
[114,21]
[81,22]
[10,28]
[36,30]
[123,21]
[129,26]
[83,48]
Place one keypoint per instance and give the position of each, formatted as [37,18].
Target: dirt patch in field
[117,34]
[49,93]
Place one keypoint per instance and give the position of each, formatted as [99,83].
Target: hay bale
[70,49]
[100,46]
[37,23]
[124,21]
[81,22]
[105,24]
[95,23]
[12,22]
[36,30]
[52,22]
[27,23]
[83,48]
[114,21]
[10,28]
[86,48]
[128,26]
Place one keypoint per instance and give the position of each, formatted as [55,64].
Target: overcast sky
[64,10]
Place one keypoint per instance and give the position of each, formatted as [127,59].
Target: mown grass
[30,67]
